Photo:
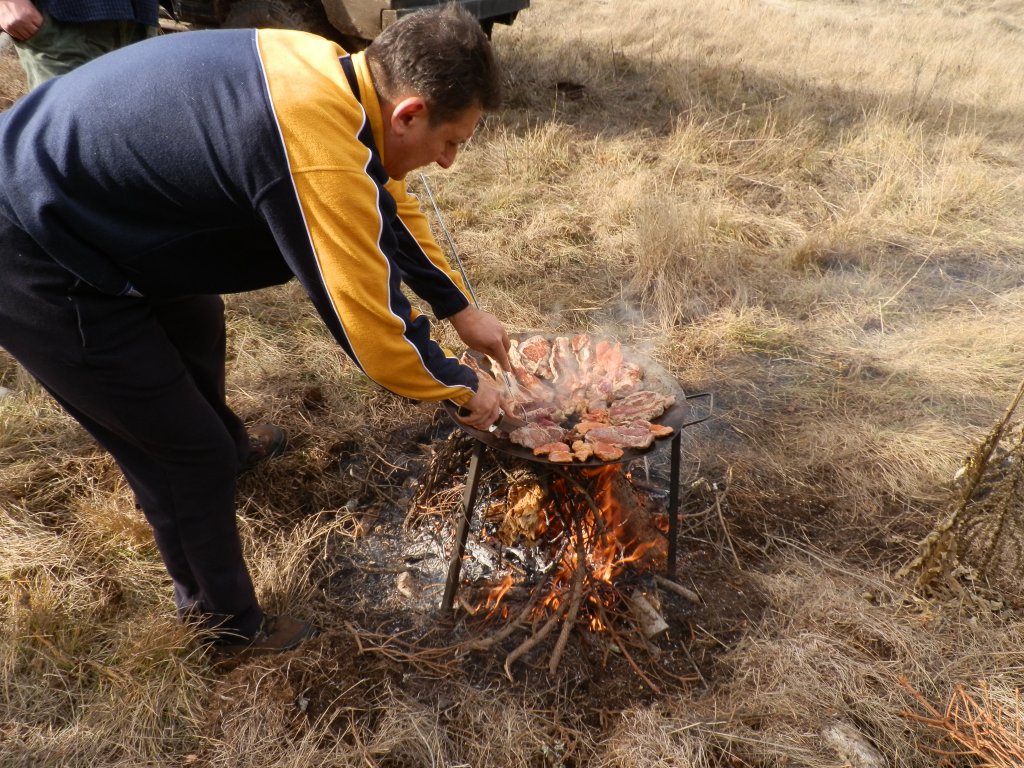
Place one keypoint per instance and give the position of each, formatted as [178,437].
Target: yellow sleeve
[351,251]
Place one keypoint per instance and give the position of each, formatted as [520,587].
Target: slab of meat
[558,451]
[535,356]
[635,435]
[470,361]
[584,351]
[582,450]
[534,390]
[533,435]
[627,379]
[661,430]
[607,357]
[583,427]
[606,451]
[544,416]
[644,405]
[565,368]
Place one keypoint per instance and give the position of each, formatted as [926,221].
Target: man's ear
[407,113]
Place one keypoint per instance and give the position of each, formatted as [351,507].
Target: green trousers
[59,47]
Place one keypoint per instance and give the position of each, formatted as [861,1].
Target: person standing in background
[52,37]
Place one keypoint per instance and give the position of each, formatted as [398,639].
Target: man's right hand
[20,19]
[483,332]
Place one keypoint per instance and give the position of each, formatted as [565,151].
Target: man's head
[435,75]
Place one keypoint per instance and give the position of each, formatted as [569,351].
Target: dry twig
[979,726]
[679,589]
[575,596]
[533,640]
[439,661]
[941,549]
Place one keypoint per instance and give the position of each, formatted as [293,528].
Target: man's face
[410,142]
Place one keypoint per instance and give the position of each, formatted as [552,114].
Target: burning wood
[597,529]
[648,617]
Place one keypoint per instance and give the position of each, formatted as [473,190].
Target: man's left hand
[483,408]
[483,332]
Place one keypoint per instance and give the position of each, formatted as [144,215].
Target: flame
[495,596]
[596,533]
[612,540]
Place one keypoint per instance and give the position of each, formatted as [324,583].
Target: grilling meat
[583,351]
[469,360]
[645,405]
[606,451]
[607,357]
[559,452]
[626,379]
[582,450]
[533,436]
[538,390]
[583,427]
[634,435]
[570,380]
[565,368]
[535,353]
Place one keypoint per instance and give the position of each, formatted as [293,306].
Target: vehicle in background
[350,20]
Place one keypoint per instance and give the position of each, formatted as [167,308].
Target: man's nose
[447,158]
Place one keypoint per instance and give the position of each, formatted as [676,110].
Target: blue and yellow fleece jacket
[228,160]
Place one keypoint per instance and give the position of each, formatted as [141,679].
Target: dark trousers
[145,377]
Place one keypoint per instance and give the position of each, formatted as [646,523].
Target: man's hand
[483,332]
[483,407]
[20,19]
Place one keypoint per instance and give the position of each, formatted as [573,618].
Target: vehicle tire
[279,14]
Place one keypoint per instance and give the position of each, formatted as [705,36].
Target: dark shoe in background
[265,442]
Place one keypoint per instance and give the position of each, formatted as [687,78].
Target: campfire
[576,553]
[599,525]
[578,545]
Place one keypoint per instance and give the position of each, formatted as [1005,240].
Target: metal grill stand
[469,503]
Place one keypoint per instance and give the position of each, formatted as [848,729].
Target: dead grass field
[813,210]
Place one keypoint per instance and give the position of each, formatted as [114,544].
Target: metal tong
[510,384]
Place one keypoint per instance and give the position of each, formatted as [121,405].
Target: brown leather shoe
[277,633]
[265,442]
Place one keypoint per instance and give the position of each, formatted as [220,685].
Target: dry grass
[812,209]
[12,78]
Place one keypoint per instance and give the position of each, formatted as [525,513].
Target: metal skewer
[451,243]
[509,384]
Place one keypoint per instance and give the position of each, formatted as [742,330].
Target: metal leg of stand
[673,505]
[468,502]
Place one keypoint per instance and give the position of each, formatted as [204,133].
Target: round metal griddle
[656,378]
